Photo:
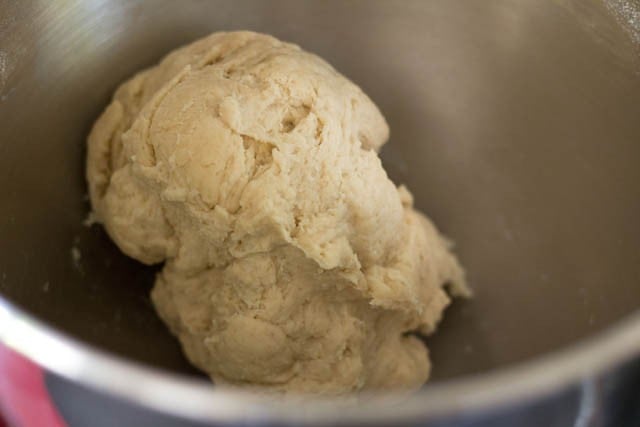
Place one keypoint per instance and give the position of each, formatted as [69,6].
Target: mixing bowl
[516,123]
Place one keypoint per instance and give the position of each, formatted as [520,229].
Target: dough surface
[249,167]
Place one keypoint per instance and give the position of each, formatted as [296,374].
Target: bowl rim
[156,389]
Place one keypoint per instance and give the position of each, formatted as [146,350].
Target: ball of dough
[291,261]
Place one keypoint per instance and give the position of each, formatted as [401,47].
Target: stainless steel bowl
[515,122]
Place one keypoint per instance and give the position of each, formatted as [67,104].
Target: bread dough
[291,261]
